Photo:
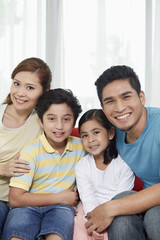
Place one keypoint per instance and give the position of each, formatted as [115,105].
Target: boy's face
[122,106]
[58,122]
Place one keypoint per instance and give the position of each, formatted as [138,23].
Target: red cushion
[75,132]
[138,183]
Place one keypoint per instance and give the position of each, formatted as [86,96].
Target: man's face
[121,104]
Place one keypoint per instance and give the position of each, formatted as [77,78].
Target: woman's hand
[14,167]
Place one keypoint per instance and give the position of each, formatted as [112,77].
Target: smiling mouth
[20,101]
[123,116]
[93,147]
[59,133]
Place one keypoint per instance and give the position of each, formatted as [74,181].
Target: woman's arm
[14,167]
[20,198]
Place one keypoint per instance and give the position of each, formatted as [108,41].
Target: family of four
[42,166]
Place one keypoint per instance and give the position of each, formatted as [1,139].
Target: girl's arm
[85,187]
[125,176]
[20,198]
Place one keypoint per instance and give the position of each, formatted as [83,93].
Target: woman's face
[25,90]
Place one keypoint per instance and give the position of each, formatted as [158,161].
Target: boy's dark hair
[97,114]
[58,96]
[116,73]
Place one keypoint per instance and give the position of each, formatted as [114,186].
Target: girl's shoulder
[120,164]
[86,161]
[118,160]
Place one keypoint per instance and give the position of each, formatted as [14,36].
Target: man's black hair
[119,72]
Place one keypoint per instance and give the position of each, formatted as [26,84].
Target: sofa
[138,185]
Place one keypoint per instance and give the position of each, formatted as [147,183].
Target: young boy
[42,201]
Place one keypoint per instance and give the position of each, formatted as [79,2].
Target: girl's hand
[97,236]
[69,197]
[14,167]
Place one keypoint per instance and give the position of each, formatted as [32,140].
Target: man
[138,143]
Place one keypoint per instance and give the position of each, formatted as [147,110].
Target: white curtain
[152,68]
[98,34]
[22,35]
[79,39]
[55,41]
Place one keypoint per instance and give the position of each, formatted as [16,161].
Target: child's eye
[84,135]
[30,87]
[95,132]
[66,119]
[51,119]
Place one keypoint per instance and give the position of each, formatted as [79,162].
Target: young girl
[102,173]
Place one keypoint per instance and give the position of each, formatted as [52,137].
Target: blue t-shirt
[143,156]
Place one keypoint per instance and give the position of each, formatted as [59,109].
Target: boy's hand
[69,197]
[14,167]
[97,236]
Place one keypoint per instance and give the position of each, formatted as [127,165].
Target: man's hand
[100,218]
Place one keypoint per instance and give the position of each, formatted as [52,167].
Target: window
[79,39]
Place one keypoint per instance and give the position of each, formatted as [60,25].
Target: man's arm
[102,216]
[20,198]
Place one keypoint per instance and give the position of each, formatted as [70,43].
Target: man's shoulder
[153,117]
[153,111]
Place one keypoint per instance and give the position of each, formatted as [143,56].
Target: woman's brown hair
[34,65]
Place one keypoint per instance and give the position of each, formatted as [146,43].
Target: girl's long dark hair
[97,114]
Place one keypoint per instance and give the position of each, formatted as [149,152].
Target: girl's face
[25,91]
[95,137]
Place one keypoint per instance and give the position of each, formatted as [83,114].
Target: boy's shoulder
[74,139]
[36,143]
[74,143]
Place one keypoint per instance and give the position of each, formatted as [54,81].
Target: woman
[19,122]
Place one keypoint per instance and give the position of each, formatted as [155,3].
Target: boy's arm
[102,216]
[20,198]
